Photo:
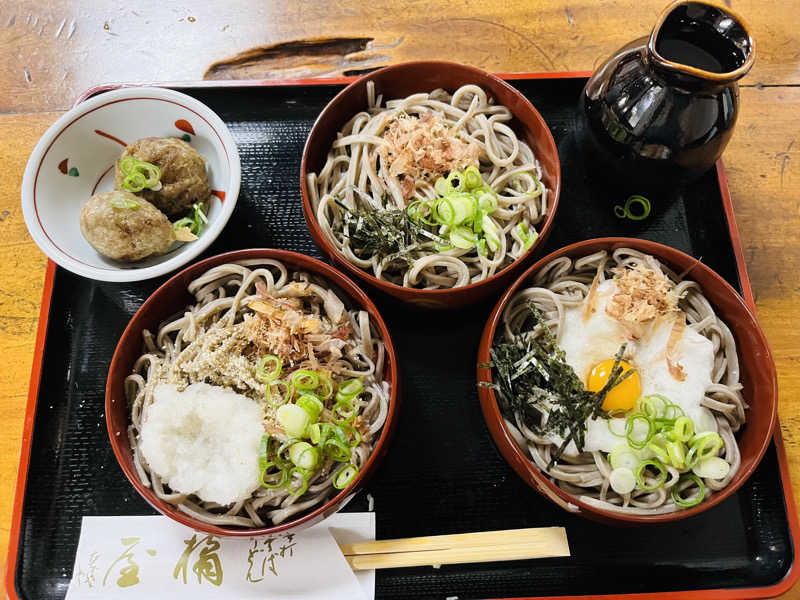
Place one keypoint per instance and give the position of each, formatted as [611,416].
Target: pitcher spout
[701,42]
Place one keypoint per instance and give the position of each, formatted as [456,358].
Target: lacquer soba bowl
[172,298]
[400,81]
[757,375]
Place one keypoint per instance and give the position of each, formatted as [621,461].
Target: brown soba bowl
[755,361]
[171,298]
[399,81]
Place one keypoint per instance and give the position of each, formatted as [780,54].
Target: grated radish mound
[204,441]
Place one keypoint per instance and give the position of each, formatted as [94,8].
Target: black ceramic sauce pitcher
[663,107]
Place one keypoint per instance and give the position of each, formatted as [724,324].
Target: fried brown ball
[184,179]
[125,234]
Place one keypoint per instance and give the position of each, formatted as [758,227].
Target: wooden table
[52,51]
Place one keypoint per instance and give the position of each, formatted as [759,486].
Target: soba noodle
[354,175]
[222,296]
[563,284]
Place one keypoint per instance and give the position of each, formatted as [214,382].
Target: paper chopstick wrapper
[152,556]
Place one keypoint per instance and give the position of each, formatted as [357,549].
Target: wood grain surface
[53,51]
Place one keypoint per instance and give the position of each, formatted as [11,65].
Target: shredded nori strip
[386,233]
[532,377]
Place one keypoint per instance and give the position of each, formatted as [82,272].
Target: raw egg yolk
[623,395]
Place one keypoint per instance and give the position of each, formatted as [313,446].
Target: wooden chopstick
[484,546]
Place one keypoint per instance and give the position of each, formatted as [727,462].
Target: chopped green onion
[658,451]
[623,456]
[659,441]
[683,430]
[135,182]
[264,465]
[303,485]
[663,425]
[345,476]
[713,467]
[477,221]
[444,211]
[611,429]
[131,164]
[273,485]
[707,444]
[622,480]
[283,398]
[339,433]
[139,174]
[304,455]
[455,182]
[198,209]
[341,450]
[491,233]
[441,186]
[677,454]
[350,388]
[325,388]
[273,363]
[472,177]
[482,247]
[414,210]
[343,412]
[704,445]
[688,502]
[527,237]
[262,452]
[314,433]
[312,405]
[180,223]
[293,419]
[199,217]
[318,432]
[152,173]
[303,379]
[120,202]
[625,212]
[284,447]
[530,241]
[464,206]
[354,434]
[487,199]
[660,479]
[196,223]
[673,411]
[653,405]
[462,237]
[630,427]
[126,164]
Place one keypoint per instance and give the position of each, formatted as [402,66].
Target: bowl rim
[183,255]
[321,239]
[298,262]
[514,455]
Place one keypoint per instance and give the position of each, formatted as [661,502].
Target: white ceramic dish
[75,159]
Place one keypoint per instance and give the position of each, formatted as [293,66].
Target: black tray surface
[442,473]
